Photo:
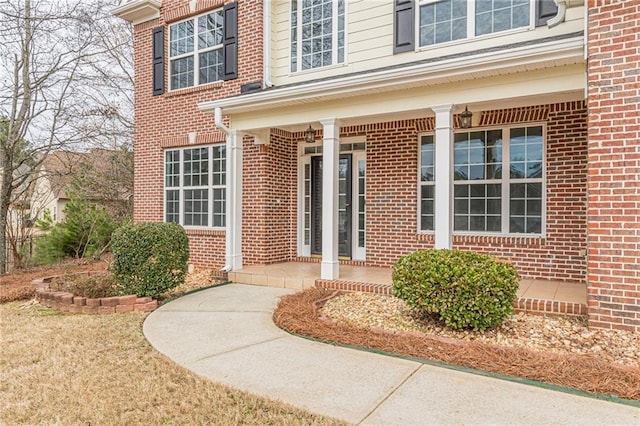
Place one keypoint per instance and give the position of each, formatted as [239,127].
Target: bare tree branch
[68,85]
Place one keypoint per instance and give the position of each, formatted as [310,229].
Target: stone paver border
[68,302]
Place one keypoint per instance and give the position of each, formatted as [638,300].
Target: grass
[99,369]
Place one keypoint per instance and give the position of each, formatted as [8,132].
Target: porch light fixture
[465,118]
[310,135]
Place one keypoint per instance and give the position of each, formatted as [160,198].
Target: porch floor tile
[554,290]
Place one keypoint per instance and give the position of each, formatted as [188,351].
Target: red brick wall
[614,164]
[165,121]
[269,194]
[391,193]
[270,198]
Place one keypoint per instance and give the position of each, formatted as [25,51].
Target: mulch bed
[300,313]
[17,285]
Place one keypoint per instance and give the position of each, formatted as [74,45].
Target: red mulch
[17,285]
[299,313]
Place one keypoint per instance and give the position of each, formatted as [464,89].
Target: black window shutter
[403,26]
[158,61]
[545,10]
[230,42]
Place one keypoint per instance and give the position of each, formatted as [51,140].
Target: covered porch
[534,296]
[318,173]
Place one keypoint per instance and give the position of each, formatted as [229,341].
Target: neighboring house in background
[53,182]
[342,134]
[93,174]
[101,176]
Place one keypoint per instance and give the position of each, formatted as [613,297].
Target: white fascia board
[138,11]
[396,78]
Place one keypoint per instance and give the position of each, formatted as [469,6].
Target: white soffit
[509,61]
[138,11]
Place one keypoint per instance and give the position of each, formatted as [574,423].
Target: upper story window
[317,33]
[196,50]
[442,21]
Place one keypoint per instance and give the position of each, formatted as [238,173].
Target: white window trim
[504,181]
[420,184]
[181,188]
[357,252]
[471,26]
[195,53]
[334,36]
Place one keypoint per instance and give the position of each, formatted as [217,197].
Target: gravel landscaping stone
[562,335]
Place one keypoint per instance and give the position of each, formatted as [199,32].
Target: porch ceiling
[474,107]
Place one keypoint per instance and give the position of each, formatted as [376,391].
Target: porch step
[283,279]
[570,304]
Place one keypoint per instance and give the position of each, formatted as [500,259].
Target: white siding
[369,27]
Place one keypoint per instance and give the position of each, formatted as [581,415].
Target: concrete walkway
[226,334]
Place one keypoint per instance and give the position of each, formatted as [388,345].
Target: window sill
[198,232]
[472,39]
[426,236]
[187,90]
[312,70]
[488,239]
[501,239]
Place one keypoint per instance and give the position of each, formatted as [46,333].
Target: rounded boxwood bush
[466,289]
[149,258]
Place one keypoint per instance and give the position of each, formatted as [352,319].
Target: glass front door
[345,201]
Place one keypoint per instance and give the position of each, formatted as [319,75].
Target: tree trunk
[5,200]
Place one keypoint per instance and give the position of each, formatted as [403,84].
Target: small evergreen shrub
[85,231]
[466,289]
[149,258]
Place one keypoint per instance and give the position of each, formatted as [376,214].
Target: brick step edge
[525,305]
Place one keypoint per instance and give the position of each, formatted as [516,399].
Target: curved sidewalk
[226,334]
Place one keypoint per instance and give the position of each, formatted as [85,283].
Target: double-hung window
[195,50]
[317,33]
[195,186]
[498,177]
[441,21]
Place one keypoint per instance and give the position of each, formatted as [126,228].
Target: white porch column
[234,200]
[443,214]
[329,268]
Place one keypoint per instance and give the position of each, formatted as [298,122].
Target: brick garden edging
[68,302]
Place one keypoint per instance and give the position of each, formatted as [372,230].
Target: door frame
[304,153]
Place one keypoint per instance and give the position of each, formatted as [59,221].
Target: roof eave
[138,11]
[568,50]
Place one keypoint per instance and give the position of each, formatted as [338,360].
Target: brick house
[294,130]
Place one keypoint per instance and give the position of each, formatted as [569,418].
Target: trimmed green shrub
[149,258]
[466,289]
